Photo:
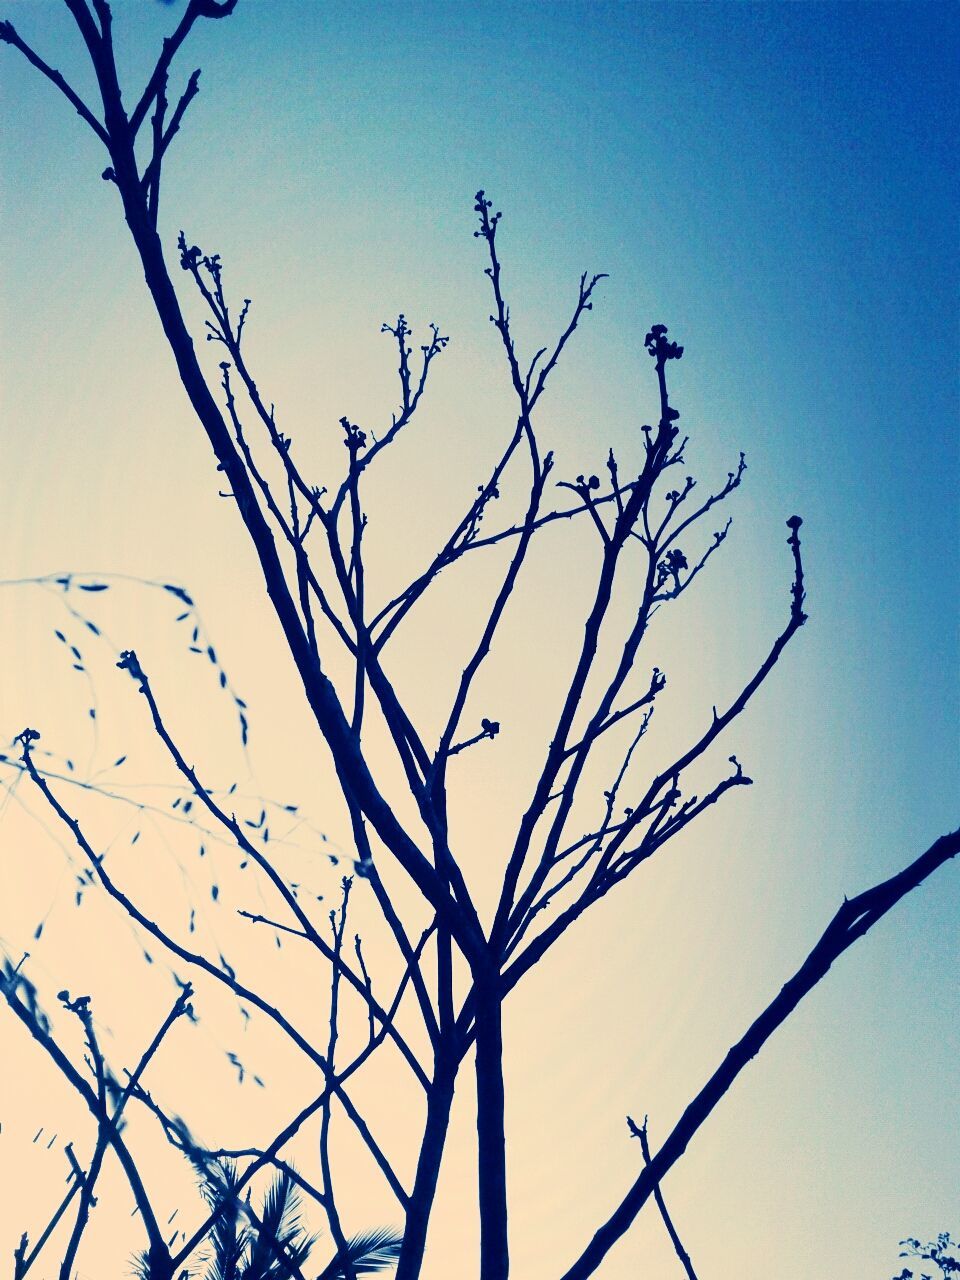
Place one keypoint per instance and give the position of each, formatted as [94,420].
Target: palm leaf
[368,1252]
[279,1239]
[140,1265]
[229,1238]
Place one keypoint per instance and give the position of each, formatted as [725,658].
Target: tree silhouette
[651,526]
[943,1252]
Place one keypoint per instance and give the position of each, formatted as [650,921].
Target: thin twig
[640,1131]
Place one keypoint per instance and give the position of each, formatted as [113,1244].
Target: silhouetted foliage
[271,1243]
[943,1252]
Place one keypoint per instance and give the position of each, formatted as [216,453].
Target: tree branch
[640,1131]
[854,918]
[9,35]
[195,9]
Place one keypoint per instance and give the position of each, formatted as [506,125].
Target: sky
[776,182]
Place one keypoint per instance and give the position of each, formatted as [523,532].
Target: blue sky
[777,182]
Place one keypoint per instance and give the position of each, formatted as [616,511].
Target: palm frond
[229,1239]
[140,1265]
[294,1258]
[143,1269]
[229,1244]
[218,1179]
[279,1239]
[368,1252]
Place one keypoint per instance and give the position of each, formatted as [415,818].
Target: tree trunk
[428,1171]
[491,1152]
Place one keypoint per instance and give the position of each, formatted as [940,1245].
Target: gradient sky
[777,183]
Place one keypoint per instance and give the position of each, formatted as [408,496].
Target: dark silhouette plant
[943,1252]
[271,1243]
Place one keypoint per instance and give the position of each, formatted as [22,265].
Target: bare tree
[308,540]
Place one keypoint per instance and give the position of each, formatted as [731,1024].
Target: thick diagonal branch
[854,918]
